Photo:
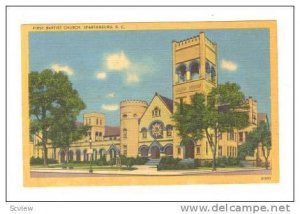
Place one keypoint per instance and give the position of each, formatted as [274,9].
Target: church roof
[78,123]
[262,117]
[167,101]
[112,131]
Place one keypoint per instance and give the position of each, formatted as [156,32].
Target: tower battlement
[133,102]
[195,40]
[186,42]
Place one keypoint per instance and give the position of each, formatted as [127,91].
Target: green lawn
[80,166]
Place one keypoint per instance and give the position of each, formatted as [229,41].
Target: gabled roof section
[168,102]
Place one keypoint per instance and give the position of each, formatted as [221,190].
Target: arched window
[94,157]
[213,73]
[156,112]
[144,133]
[102,154]
[78,154]
[124,133]
[144,151]
[85,155]
[194,68]
[169,150]
[71,155]
[169,129]
[124,115]
[207,70]
[62,156]
[181,72]
[207,67]
[96,136]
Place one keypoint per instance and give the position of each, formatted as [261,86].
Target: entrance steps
[153,162]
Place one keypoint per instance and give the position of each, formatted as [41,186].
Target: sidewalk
[152,171]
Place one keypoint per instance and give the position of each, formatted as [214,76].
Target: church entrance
[62,156]
[112,153]
[144,151]
[155,153]
[189,150]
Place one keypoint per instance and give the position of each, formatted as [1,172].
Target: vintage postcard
[162,103]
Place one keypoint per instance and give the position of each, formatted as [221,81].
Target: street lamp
[91,153]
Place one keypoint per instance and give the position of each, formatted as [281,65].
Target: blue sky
[107,67]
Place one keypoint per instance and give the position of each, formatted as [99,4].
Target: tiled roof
[78,123]
[261,117]
[112,131]
[168,102]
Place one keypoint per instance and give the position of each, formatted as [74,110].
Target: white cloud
[132,70]
[117,61]
[132,77]
[228,65]
[62,68]
[111,95]
[101,75]
[110,107]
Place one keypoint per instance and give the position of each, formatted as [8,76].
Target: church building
[146,127]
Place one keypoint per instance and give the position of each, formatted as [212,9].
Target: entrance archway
[169,150]
[112,153]
[155,153]
[144,151]
[78,154]
[62,156]
[190,150]
[71,155]
[102,153]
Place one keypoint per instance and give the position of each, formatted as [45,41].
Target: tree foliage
[53,105]
[222,110]
[259,136]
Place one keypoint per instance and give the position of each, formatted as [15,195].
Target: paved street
[146,171]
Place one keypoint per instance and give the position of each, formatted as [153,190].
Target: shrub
[227,161]
[141,160]
[170,163]
[207,163]
[52,161]
[129,162]
[40,161]
[111,162]
[36,161]
[188,165]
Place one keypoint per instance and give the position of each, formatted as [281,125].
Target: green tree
[64,132]
[222,110]
[260,136]
[52,102]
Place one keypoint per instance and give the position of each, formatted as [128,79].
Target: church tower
[194,70]
[131,112]
[194,67]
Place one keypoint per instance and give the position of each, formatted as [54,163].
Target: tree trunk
[215,150]
[45,152]
[67,154]
[265,156]
[214,167]
[44,140]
